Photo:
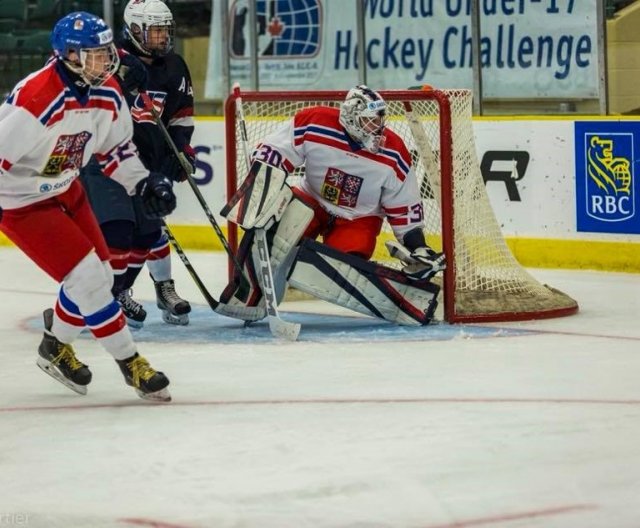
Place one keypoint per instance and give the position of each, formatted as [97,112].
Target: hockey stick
[213,303]
[243,287]
[277,326]
[235,312]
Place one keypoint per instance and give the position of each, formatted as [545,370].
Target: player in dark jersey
[148,64]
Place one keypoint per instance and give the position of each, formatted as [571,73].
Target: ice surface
[360,424]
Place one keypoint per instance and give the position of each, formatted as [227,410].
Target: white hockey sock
[63,331]
[160,269]
[120,345]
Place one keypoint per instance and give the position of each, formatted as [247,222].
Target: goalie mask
[84,43]
[149,25]
[362,114]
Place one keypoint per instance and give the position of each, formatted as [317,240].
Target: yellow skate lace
[66,354]
[140,370]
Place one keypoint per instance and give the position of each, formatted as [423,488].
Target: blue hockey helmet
[84,43]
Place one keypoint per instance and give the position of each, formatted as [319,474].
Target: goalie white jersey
[346,179]
[60,130]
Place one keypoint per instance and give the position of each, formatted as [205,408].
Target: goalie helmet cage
[483,281]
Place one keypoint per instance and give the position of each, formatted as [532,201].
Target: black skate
[174,309]
[133,311]
[59,360]
[149,384]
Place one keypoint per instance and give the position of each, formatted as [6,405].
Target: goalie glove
[421,264]
[426,264]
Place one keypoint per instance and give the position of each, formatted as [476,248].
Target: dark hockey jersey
[171,91]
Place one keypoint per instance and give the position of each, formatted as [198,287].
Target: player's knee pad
[362,286]
[88,285]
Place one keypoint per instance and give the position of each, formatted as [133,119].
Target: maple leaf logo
[275,27]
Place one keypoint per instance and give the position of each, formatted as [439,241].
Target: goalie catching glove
[424,263]
[157,195]
[421,261]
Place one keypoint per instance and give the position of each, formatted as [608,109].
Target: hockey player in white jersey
[357,172]
[50,125]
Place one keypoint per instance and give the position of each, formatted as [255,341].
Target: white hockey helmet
[362,114]
[150,26]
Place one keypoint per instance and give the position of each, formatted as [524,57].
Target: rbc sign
[606,176]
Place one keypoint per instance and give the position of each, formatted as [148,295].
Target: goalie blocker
[266,201]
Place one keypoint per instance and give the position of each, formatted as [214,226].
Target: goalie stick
[236,312]
[243,290]
[277,326]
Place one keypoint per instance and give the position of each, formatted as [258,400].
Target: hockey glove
[175,169]
[132,74]
[426,263]
[157,195]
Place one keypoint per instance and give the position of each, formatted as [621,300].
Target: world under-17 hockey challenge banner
[528,48]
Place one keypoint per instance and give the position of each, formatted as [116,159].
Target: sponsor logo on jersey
[48,187]
[606,183]
[67,154]
[340,188]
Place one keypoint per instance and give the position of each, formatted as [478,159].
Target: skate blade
[161,396]
[133,324]
[52,370]
[180,320]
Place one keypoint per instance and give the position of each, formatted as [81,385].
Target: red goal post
[483,280]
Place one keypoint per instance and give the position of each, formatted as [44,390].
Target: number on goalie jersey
[357,172]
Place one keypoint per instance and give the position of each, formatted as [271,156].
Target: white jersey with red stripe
[48,131]
[346,179]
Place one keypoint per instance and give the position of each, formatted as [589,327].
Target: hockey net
[483,280]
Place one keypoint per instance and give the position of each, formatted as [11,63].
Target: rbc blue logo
[606,185]
[285,28]
[609,190]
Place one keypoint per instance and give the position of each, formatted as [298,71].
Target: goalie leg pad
[363,286]
[282,240]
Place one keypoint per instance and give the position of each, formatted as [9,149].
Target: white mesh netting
[485,280]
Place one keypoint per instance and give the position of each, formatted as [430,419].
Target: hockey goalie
[357,173]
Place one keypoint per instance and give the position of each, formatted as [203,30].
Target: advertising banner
[528,48]
[607,185]
[546,178]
